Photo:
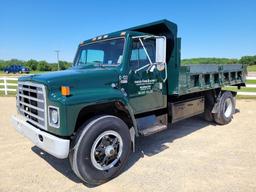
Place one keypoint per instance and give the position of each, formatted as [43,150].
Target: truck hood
[76,78]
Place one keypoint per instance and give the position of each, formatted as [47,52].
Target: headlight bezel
[50,120]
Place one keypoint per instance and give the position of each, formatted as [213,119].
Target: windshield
[107,53]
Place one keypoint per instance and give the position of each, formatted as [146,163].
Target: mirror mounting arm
[145,51]
[166,74]
[142,68]
[160,53]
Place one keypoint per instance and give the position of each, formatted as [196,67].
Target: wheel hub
[109,151]
[106,150]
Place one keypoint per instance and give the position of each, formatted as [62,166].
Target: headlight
[53,116]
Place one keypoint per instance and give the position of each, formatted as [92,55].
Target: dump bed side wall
[196,78]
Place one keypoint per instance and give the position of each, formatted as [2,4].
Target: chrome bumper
[51,144]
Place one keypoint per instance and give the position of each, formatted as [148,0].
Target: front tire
[101,149]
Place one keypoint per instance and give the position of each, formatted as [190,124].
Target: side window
[138,56]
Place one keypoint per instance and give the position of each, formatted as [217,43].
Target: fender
[76,103]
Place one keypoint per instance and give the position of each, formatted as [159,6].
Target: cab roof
[161,27]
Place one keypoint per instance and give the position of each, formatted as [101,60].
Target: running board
[152,130]
[151,124]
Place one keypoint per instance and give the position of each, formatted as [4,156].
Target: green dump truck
[122,85]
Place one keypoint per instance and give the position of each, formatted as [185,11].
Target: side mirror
[160,50]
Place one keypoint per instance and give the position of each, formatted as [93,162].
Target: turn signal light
[65,91]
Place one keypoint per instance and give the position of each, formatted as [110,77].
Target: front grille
[31,103]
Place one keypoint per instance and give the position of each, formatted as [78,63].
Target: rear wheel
[101,149]
[226,108]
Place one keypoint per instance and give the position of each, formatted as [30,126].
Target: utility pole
[57,53]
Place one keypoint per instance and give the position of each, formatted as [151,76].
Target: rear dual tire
[100,150]
[226,109]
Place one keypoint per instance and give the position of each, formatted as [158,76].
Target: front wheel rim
[228,108]
[106,150]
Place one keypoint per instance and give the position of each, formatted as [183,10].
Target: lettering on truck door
[144,87]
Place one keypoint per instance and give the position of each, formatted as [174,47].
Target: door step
[148,125]
[152,130]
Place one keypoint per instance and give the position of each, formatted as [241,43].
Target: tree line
[35,65]
[248,60]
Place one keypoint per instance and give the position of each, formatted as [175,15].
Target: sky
[33,29]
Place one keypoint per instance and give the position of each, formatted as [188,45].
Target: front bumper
[51,144]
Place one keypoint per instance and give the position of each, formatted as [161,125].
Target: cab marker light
[65,90]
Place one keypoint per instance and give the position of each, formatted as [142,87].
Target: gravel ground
[191,156]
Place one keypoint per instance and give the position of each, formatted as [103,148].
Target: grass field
[252,68]
[243,89]
[10,94]
[251,82]
[245,97]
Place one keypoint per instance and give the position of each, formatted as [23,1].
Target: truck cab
[136,57]
[122,85]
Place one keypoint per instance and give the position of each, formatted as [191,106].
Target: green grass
[243,89]
[9,87]
[251,68]
[37,72]
[10,94]
[251,81]
[245,97]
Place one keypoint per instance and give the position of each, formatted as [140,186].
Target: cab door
[146,87]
